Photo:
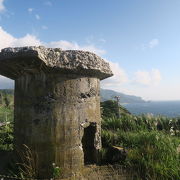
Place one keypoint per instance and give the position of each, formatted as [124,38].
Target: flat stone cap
[16,62]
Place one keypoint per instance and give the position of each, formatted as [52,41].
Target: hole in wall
[88,144]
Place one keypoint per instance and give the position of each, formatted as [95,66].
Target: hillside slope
[107,94]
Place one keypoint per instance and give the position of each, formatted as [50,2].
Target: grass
[152,154]
[6,137]
[6,120]
[6,114]
[150,143]
[29,163]
[151,148]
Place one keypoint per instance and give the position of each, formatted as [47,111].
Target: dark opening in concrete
[88,145]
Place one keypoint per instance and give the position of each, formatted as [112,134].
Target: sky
[139,38]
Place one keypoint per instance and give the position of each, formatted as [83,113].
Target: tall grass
[152,154]
[6,137]
[28,166]
[150,145]
[143,122]
[6,114]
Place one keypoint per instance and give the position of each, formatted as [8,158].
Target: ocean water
[165,108]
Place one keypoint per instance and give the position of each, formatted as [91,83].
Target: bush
[153,155]
[151,150]
[6,137]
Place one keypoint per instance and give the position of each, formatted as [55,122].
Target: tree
[6,100]
[110,108]
[1,99]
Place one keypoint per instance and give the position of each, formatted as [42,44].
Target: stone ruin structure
[57,104]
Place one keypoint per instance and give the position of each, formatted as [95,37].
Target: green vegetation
[6,106]
[151,144]
[6,137]
[56,171]
[28,166]
[111,109]
[6,119]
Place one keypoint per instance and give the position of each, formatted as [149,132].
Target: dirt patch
[107,172]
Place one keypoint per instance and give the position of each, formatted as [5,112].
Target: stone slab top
[16,62]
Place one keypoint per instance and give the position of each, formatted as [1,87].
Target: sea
[164,108]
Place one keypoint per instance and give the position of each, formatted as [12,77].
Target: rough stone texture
[15,62]
[57,105]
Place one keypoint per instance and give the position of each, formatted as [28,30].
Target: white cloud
[118,79]
[2,7]
[156,76]
[63,44]
[94,49]
[73,45]
[145,84]
[147,78]
[153,43]
[165,91]
[28,40]
[30,10]
[7,40]
[119,82]
[37,17]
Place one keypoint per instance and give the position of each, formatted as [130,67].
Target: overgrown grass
[143,122]
[6,137]
[149,142]
[6,114]
[6,128]
[6,119]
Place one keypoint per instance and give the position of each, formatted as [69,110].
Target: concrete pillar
[57,105]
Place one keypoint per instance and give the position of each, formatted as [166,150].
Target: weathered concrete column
[57,104]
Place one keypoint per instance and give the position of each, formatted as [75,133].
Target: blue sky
[140,38]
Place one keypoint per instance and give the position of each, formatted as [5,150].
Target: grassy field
[6,119]
[149,147]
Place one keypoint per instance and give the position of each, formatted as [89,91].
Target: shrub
[6,137]
[151,154]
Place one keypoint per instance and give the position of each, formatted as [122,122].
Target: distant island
[107,94]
